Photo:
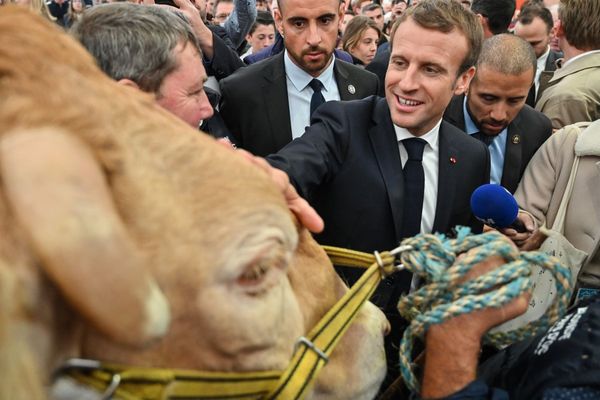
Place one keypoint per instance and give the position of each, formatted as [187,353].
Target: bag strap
[559,221]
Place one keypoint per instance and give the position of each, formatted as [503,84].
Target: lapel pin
[516,139]
[452,160]
[351,89]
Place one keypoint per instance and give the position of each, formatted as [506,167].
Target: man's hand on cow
[307,215]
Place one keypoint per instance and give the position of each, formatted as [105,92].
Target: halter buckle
[304,340]
[396,253]
[90,365]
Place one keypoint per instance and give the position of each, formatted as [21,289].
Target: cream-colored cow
[126,236]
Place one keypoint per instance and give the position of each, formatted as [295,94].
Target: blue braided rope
[434,258]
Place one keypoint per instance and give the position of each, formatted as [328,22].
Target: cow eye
[257,275]
[253,274]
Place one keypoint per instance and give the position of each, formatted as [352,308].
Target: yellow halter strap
[310,355]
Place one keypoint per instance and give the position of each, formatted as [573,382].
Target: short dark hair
[446,16]
[262,18]
[371,7]
[580,22]
[532,10]
[499,13]
[508,54]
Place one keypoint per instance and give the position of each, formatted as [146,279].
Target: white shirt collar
[431,137]
[300,78]
[587,53]
[541,61]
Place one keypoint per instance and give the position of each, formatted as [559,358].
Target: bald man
[495,112]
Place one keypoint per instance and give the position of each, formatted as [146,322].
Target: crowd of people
[386,116]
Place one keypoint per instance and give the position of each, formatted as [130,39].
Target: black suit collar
[347,87]
[449,157]
[383,140]
[513,154]
[275,100]
[455,113]
[275,95]
[385,148]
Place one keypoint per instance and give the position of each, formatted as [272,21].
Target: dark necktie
[414,187]
[487,139]
[317,98]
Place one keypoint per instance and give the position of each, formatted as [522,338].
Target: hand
[202,32]
[533,242]
[452,347]
[519,238]
[307,215]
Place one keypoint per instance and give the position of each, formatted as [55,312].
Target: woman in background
[360,39]
[76,8]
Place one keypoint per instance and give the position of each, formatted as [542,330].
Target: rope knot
[445,265]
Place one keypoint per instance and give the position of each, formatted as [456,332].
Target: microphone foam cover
[494,205]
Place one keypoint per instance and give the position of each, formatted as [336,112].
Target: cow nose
[385,324]
[379,318]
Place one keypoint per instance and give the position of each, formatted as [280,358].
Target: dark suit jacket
[255,106]
[347,165]
[225,60]
[526,133]
[550,66]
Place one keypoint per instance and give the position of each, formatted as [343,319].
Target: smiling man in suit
[268,104]
[382,169]
[495,112]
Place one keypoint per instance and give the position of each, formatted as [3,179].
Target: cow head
[154,245]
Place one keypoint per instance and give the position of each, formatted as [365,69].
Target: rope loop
[444,263]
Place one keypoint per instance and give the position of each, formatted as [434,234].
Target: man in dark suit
[380,170]
[495,112]
[267,104]
[535,26]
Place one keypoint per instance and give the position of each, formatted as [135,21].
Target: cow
[128,237]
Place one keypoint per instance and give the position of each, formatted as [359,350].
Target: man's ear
[278,21]
[483,20]
[558,29]
[463,81]
[128,82]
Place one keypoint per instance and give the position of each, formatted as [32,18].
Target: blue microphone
[494,205]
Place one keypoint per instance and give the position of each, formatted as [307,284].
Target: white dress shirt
[431,156]
[541,66]
[497,148]
[299,93]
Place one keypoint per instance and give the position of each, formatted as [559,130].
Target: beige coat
[544,183]
[573,92]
